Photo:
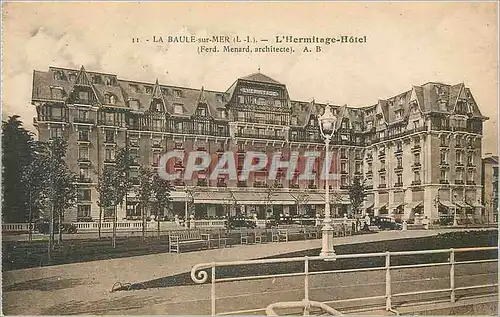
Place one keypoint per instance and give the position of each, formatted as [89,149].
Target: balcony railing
[294,186]
[398,184]
[416,183]
[459,182]
[61,119]
[260,185]
[398,168]
[241,184]
[471,183]
[84,120]
[250,135]
[312,186]
[397,135]
[83,179]
[382,186]
[221,184]
[443,181]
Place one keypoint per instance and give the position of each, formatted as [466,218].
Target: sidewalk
[52,289]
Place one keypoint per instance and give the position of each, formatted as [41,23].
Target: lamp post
[326,125]
[454,197]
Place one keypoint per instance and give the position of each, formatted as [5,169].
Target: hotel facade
[418,152]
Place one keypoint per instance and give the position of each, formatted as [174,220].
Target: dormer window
[177,93]
[278,103]
[58,75]
[110,99]
[164,91]
[201,111]
[83,96]
[222,113]
[241,99]
[178,109]
[72,77]
[312,122]
[134,88]
[158,107]
[294,120]
[380,120]
[97,80]
[56,92]
[110,81]
[149,89]
[219,98]
[398,114]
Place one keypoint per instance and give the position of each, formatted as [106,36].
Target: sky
[407,44]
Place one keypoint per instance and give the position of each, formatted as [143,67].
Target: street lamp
[454,197]
[326,125]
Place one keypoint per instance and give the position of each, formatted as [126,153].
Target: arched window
[112,99]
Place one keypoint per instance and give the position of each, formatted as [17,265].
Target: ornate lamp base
[327,250]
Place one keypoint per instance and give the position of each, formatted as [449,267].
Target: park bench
[310,233]
[247,234]
[220,236]
[278,235]
[188,237]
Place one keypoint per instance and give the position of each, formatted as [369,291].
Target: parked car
[234,223]
[44,227]
[385,223]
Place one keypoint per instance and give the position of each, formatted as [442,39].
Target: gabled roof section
[157,95]
[261,78]
[203,99]
[83,78]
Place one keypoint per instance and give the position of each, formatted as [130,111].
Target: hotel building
[419,151]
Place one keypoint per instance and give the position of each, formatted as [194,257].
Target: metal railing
[199,274]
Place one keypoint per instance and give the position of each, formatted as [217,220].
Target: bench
[310,233]
[187,237]
[258,236]
[278,235]
[220,236]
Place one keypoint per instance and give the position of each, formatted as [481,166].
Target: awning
[447,203]
[477,205]
[395,205]
[177,196]
[252,198]
[381,205]
[367,205]
[316,199]
[415,204]
[213,198]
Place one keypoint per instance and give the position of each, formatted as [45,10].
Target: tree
[17,155]
[270,194]
[122,183]
[144,192]
[161,193]
[301,199]
[191,194]
[357,195]
[106,190]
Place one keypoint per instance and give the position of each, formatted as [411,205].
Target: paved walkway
[30,291]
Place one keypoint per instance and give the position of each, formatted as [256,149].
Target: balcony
[312,186]
[471,165]
[293,186]
[471,183]
[134,162]
[343,156]
[251,135]
[343,172]
[369,186]
[416,148]
[344,186]
[398,185]
[398,168]
[202,183]
[134,181]
[444,145]
[381,170]
[83,179]
[459,165]
[133,144]
[84,160]
[381,154]
[221,184]
[444,164]
[179,182]
[109,142]
[443,181]
[241,184]
[416,165]
[416,183]
[55,119]
[382,186]
[370,172]
[459,182]
[259,185]
[85,121]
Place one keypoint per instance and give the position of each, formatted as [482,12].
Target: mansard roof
[261,78]
[428,96]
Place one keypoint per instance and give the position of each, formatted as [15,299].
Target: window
[178,126]
[109,118]
[382,163]
[416,124]
[343,153]
[84,195]
[158,107]
[55,132]
[58,75]
[398,114]
[222,113]
[358,167]
[459,157]
[156,158]
[149,89]
[343,167]
[470,159]
[56,112]
[381,134]
[343,180]
[241,99]
[97,80]
[83,135]
[459,175]
[83,153]
[177,93]
[84,173]
[83,96]
[109,136]
[416,158]
[278,103]
[56,93]
[72,77]
[178,108]
[399,146]
[261,101]
[370,166]
[110,81]
[134,88]
[344,137]
[443,140]
[369,125]
[400,178]
[382,179]
[221,130]
[157,124]
[443,157]
[312,122]
[470,176]
[416,176]
[83,211]
[444,175]
[400,162]
[202,111]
